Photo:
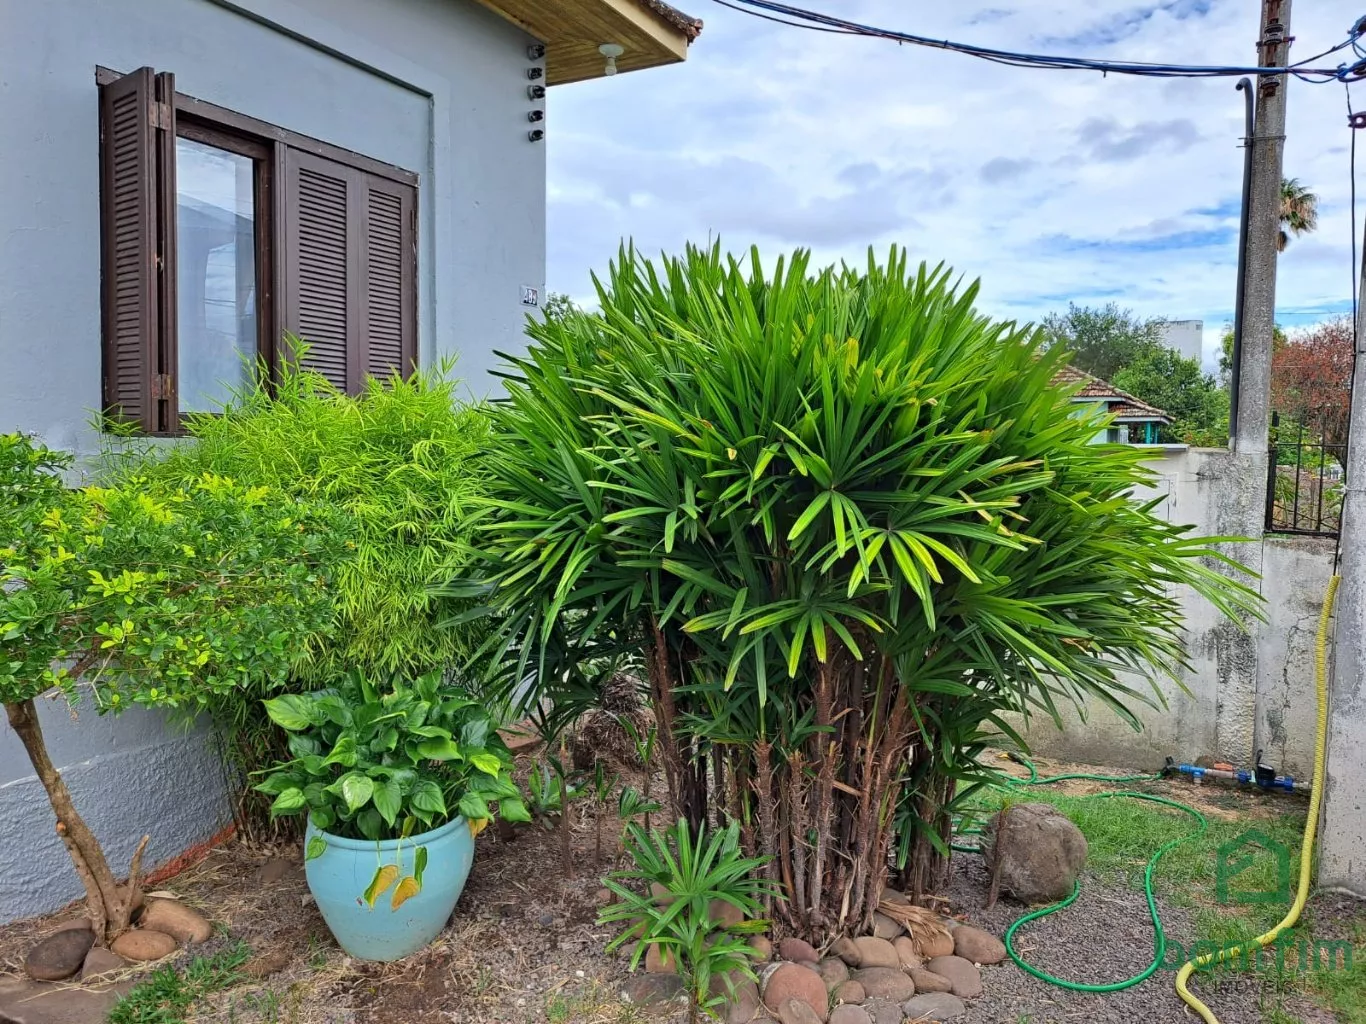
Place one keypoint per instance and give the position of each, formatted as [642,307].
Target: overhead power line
[799,17]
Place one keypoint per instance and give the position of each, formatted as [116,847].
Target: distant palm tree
[1299,211]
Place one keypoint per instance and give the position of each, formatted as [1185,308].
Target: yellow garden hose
[1310,826]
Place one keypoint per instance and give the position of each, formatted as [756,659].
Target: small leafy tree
[146,595]
[1311,379]
[849,525]
[1176,384]
[1103,339]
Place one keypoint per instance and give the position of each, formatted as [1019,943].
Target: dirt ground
[523,945]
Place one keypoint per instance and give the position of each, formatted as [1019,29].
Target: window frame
[268,146]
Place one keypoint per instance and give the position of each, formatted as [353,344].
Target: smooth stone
[659,960]
[847,950]
[762,946]
[43,1002]
[890,895]
[72,924]
[938,944]
[875,952]
[184,924]
[60,955]
[796,950]
[928,981]
[977,945]
[791,981]
[934,1006]
[724,913]
[884,1012]
[849,1014]
[99,962]
[907,951]
[143,945]
[886,928]
[889,983]
[849,992]
[742,1001]
[796,1011]
[649,989]
[833,971]
[962,974]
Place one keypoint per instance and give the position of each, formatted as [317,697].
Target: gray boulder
[1038,855]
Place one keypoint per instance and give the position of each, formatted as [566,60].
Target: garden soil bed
[523,945]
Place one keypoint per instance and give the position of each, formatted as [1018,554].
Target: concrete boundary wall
[1246,691]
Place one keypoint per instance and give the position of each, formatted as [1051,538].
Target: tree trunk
[927,869]
[108,905]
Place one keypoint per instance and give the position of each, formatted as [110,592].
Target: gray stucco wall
[435,86]
[129,776]
[1247,690]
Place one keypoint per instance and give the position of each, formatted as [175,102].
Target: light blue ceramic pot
[339,877]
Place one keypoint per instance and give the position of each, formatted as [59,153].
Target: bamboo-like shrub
[846,524]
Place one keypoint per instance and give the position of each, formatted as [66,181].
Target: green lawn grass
[1122,834]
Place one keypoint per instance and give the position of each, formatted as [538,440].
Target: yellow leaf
[384,877]
[477,826]
[407,889]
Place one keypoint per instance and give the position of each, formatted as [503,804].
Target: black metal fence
[1304,482]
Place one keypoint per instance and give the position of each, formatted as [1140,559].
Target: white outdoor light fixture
[611,51]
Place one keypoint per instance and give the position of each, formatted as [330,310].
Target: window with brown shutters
[350,260]
[280,236]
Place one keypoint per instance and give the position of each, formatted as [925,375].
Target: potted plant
[396,781]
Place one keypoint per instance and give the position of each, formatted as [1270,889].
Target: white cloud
[1049,186]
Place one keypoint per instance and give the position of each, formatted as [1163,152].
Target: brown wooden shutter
[137,221]
[349,269]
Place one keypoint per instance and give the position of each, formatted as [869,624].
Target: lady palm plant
[847,524]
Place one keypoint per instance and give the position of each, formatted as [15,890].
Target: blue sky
[1045,185]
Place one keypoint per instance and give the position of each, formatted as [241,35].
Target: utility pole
[1342,849]
[1264,210]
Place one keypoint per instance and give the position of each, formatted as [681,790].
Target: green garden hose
[1159,936]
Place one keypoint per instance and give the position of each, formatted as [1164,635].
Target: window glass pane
[215,273]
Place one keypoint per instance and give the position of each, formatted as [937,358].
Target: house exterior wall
[434,86]
[1246,690]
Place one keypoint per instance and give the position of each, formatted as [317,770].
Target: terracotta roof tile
[691,27]
[1121,403]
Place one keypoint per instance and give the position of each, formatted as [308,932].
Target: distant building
[1135,421]
[1186,336]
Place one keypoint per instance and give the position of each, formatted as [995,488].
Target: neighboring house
[184,181]
[1135,421]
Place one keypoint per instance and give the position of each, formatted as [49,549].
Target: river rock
[850,1014]
[184,924]
[890,895]
[849,992]
[649,989]
[99,962]
[889,983]
[885,927]
[797,949]
[60,955]
[659,960]
[907,951]
[724,913]
[763,948]
[928,981]
[847,950]
[792,981]
[798,1011]
[935,1006]
[833,971]
[883,1011]
[742,1001]
[1038,855]
[965,979]
[875,952]
[978,946]
[938,944]
[143,944]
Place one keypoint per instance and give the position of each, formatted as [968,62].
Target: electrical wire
[798,17]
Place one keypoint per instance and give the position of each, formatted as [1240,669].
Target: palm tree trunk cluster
[817,795]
